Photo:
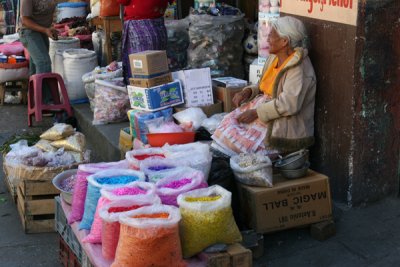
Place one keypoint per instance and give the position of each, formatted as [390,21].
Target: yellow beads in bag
[207,219]
[57,132]
[76,142]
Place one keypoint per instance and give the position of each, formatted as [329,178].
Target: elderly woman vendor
[277,114]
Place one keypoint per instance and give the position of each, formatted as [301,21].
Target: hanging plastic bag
[142,192]
[80,187]
[75,142]
[184,179]
[57,132]
[134,157]
[156,168]
[111,102]
[206,219]
[252,169]
[149,236]
[111,178]
[110,214]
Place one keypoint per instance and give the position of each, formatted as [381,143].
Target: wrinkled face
[275,42]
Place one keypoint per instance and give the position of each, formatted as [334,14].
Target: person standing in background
[35,29]
[144,29]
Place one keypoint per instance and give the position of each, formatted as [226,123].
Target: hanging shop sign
[341,11]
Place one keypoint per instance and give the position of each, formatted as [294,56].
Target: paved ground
[368,236]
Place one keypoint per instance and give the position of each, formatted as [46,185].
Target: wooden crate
[66,256]
[11,188]
[36,207]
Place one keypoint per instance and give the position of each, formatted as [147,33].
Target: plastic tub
[71,9]
[160,139]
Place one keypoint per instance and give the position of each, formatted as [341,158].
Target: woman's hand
[241,97]
[248,116]
[52,33]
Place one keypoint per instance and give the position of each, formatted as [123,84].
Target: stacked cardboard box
[151,86]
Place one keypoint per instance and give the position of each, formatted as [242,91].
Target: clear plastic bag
[75,142]
[207,219]
[143,191]
[80,187]
[112,178]
[156,168]
[252,169]
[216,42]
[57,132]
[110,214]
[194,155]
[182,180]
[159,125]
[45,146]
[149,236]
[178,43]
[111,102]
[211,124]
[195,116]
[134,157]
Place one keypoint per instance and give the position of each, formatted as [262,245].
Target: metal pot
[293,161]
[297,173]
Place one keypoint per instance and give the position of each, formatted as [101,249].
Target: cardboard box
[197,86]
[125,141]
[225,95]
[288,204]
[255,72]
[156,98]
[148,64]
[240,256]
[208,110]
[219,259]
[146,83]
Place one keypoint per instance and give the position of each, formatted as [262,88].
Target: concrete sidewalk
[368,236]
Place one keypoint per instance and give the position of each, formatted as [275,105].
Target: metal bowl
[298,173]
[66,196]
[293,161]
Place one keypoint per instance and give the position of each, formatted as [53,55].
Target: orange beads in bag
[149,236]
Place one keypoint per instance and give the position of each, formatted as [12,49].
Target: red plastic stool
[57,86]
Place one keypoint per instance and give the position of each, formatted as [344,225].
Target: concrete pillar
[357,62]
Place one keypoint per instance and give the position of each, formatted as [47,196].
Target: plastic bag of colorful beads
[57,132]
[80,187]
[183,180]
[134,157]
[195,155]
[156,168]
[111,101]
[149,236]
[252,169]
[207,219]
[141,192]
[109,215]
[112,178]
[75,142]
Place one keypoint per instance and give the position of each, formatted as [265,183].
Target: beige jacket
[290,115]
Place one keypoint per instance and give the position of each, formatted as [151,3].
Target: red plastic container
[160,139]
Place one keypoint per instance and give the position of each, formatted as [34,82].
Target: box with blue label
[156,98]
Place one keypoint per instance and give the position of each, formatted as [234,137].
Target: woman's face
[275,42]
